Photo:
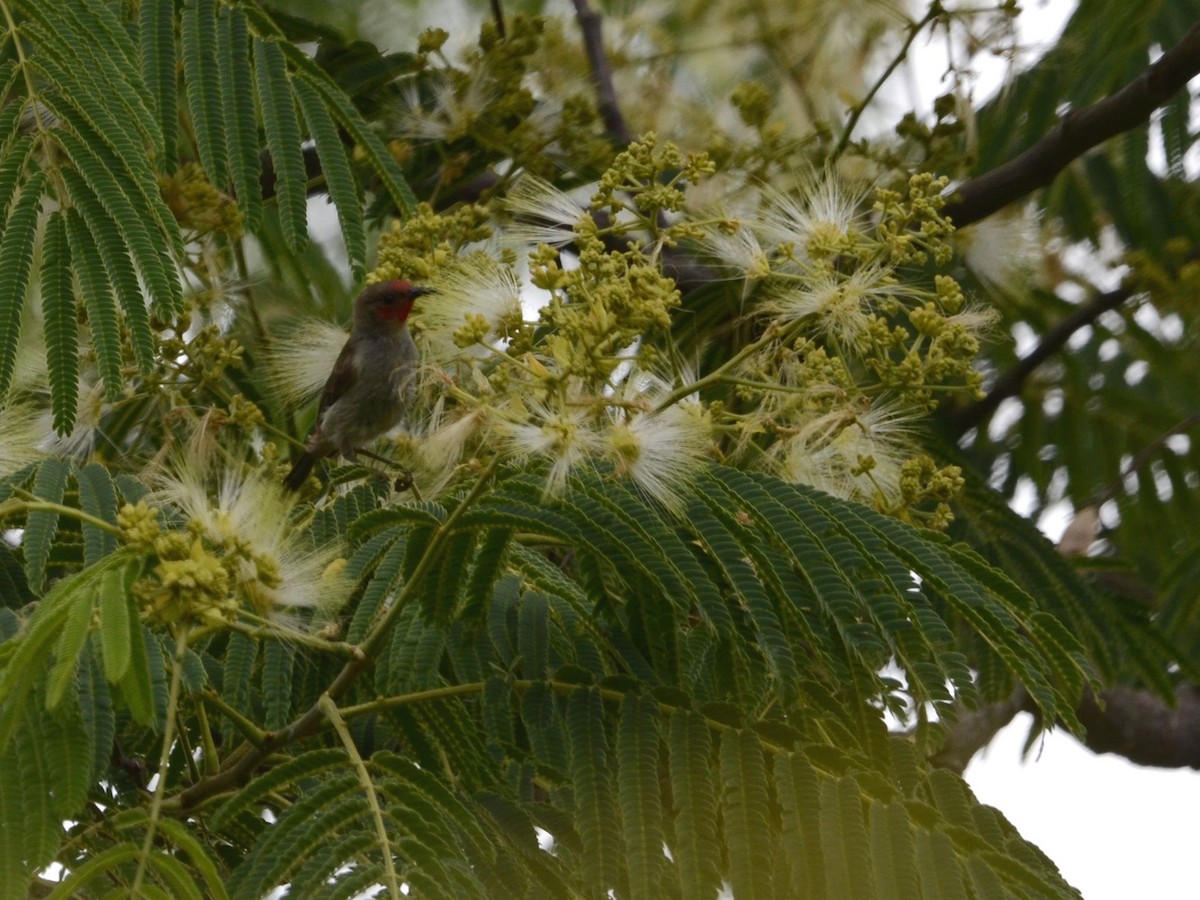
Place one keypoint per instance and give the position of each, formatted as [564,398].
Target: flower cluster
[843,339]
[231,554]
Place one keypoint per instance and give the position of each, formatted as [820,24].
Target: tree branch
[1076,133]
[1011,382]
[1130,722]
[606,95]
[1136,724]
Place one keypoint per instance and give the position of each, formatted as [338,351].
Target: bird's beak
[422,291]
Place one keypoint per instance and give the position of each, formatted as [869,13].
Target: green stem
[249,730]
[329,708]
[164,759]
[35,504]
[935,10]
[720,373]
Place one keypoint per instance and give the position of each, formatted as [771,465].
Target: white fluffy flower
[247,514]
[829,452]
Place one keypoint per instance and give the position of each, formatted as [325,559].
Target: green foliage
[103,126]
[593,719]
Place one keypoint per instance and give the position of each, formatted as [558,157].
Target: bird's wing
[340,380]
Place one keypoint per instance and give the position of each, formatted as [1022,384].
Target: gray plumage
[372,383]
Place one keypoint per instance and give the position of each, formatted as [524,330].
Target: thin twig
[602,78]
[1012,381]
[914,28]
[1142,457]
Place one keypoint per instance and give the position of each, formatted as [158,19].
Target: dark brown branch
[1137,725]
[498,17]
[974,730]
[1011,382]
[1142,457]
[606,95]
[1077,132]
[1132,722]
[313,173]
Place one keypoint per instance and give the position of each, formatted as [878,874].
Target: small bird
[372,382]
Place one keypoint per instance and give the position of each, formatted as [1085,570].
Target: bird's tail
[300,471]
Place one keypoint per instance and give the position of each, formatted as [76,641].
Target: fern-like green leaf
[744,807]
[142,219]
[201,75]
[113,858]
[156,40]
[76,626]
[446,802]
[237,672]
[339,179]
[97,89]
[893,853]
[385,574]
[142,677]
[99,302]
[16,261]
[591,779]
[118,615]
[798,790]
[49,484]
[292,838]
[97,498]
[176,878]
[638,792]
[60,771]
[533,634]
[278,662]
[941,873]
[283,138]
[695,848]
[718,532]
[118,267]
[241,125]
[351,120]
[298,769]
[96,709]
[59,323]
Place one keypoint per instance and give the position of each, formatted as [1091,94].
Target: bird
[373,381]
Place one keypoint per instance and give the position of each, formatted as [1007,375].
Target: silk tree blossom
[300,359]
[245,517]
[1002,250]
[841,306]
[89,411]
[662,451]
[734,245]
[542,214]
[822,217]
[566,439]
[457,105]
[22,433]
[855,455]
[476,299]
[439,447]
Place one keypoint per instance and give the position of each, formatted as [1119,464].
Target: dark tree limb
[1130,722]
[1136,724]
[606,95]
[1077,132]
[1011,382]
[974,730]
